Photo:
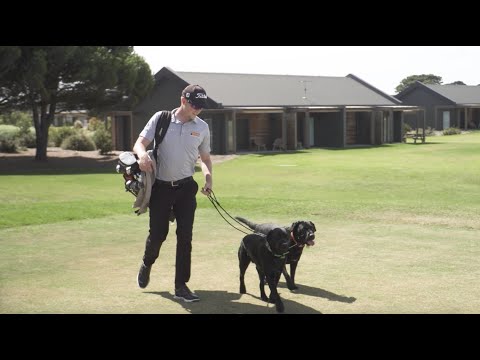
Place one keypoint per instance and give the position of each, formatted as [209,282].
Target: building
[63,118]
[250,111]
[445,105]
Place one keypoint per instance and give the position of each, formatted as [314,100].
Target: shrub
[406,128]
[8,136]
[78,124]
[10,130]
[19,119]
[27,138]
[94,123]
[452,131]
[79,142]
[103,140]
[58,134]
[7,143]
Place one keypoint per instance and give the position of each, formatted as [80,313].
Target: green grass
[41,199]
[398,231]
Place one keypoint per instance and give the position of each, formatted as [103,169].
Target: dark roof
[256,90]
[459,94]
[456,94]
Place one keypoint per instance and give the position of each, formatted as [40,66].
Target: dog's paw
[243,290]
[292,287]
[264,297]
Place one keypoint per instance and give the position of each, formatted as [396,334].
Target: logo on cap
[195,95]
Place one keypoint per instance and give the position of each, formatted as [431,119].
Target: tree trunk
[42,141]
[43,119]
[41,129]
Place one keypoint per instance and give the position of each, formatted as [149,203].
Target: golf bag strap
[161,129]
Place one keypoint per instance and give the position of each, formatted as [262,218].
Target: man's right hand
[145,163]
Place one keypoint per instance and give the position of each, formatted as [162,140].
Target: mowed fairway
[398,232]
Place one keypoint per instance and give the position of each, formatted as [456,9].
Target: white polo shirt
[179,150]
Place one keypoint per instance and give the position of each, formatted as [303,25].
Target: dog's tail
[250,224]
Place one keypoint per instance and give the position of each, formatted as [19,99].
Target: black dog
[301,233]
[268,254]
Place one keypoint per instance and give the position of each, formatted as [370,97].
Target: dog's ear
[313,225]
[270,236]
[295,225]
[277,234]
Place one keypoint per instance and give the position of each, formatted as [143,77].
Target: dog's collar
[295,241]
[281,256]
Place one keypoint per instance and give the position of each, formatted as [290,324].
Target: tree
[44,78]
[457,83]
[425,79]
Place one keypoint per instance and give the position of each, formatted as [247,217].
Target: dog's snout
[311,236]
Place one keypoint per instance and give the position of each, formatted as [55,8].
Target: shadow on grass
[317,292]
[272,153]
[26,165]
[224,302]
[384,146]
[346,148]
[425,143]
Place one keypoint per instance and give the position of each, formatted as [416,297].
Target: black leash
[213,199]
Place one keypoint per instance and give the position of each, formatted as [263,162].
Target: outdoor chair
[260,144]
[278,144]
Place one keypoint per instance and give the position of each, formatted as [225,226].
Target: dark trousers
[182,199]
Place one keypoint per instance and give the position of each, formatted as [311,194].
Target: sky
[381,66]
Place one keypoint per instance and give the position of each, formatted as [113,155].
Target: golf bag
[127,163]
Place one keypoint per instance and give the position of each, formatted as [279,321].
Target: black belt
[174,183]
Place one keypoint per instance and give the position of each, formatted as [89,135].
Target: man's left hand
[206,190]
